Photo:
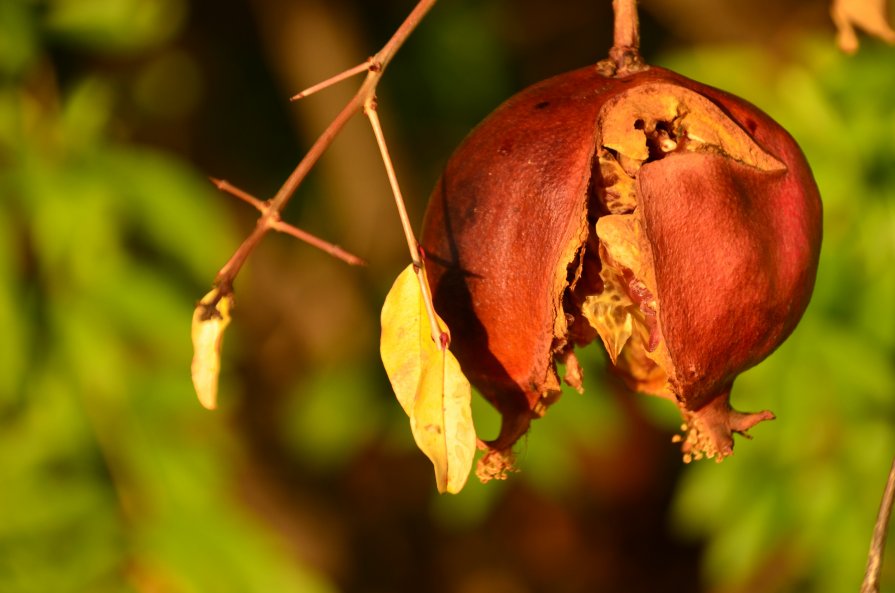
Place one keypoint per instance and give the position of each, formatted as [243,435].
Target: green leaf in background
[112,478]
[331,415]
[115,26]
[18,37]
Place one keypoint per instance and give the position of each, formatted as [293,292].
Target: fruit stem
[625,52]
[627,26]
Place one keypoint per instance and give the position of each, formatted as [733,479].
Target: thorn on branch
[368,66]
[330,248]
[227,187]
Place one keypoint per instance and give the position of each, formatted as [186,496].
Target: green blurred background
[112,478]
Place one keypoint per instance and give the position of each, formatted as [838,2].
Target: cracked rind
[503,234]
[627,117]
[507,224]
[717,214]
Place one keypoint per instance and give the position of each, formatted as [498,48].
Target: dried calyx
[678,224]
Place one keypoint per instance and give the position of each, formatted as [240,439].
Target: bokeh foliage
[113,479]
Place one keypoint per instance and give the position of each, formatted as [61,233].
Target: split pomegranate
[677,223]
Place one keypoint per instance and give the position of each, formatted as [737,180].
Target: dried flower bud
[676,222]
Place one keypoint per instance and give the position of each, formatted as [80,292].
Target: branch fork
[363,100]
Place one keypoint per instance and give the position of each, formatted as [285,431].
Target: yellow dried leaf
[210,319]
[398,343]
[869,15]
[442,421]
[428,383]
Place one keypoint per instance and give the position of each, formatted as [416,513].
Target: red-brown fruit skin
[513,199]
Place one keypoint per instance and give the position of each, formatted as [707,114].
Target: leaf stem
[440,338]
[412,245]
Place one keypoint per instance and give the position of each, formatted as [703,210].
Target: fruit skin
[735,249]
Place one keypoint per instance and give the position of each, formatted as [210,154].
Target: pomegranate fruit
[675,222]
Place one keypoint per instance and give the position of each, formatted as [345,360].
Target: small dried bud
[678,224]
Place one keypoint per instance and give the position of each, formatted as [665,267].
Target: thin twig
[375,67]
[878,542]
[226,186]
[227,274]
[412,244]
[269,221]
[363,67]
[333,250]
